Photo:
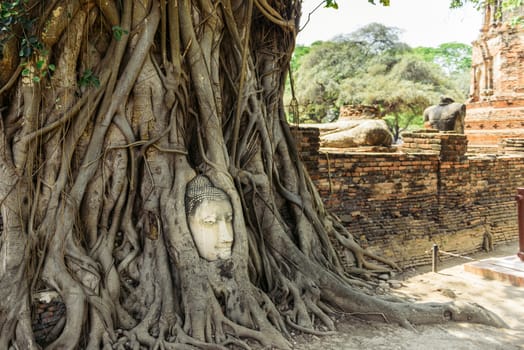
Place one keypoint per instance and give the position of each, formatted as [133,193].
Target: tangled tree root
[119,106]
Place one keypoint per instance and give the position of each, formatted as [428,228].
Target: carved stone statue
[210,217]
[366,132]
[448,115]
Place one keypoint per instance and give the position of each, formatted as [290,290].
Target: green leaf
[51,67]
[89,79]
[25,51]
[118,32]
[332,4]
[26,72]
[36,79]
[383,2]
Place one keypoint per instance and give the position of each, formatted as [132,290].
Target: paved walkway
[508,269]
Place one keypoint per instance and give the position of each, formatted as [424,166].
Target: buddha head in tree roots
[210,218]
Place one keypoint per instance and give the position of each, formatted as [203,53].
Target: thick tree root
[94,175]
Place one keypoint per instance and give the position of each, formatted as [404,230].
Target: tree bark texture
[117,107]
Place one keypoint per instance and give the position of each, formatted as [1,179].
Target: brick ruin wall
[401,203]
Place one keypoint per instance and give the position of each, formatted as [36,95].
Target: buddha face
[211,224]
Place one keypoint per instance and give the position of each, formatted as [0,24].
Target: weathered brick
[496,107]
[402,203]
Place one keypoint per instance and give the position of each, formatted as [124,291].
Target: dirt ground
[450,283]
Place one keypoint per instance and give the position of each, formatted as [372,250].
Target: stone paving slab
[507,269]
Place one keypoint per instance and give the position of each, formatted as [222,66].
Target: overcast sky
[424,22]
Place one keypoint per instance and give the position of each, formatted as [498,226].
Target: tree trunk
[117,107]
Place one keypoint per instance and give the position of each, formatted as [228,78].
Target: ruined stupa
[495,109]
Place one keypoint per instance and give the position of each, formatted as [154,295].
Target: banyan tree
[110,110]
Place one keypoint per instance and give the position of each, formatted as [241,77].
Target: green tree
[320,73]
[376,39]
[401,93]
[299,52]
[452,57]
[96,155]
[342,71]
[327,64]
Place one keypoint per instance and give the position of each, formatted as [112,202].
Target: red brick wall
[400,204]
[308,143]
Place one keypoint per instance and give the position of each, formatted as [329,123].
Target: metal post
[434,259]
[520,208]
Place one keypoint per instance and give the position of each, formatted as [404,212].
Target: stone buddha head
[210,218]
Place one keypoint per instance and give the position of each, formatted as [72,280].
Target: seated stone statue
[448,115]
[210,218]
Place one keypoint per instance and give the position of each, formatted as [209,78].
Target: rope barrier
[455,255]
[435,251]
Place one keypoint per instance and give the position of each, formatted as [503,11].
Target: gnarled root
[241,317]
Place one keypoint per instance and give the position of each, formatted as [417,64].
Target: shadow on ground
[451,282]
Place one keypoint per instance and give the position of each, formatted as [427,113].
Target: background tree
[401,93]
[370,62]
[320,73]
[375,39]
[108,110]
[323,69]
[453,58]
